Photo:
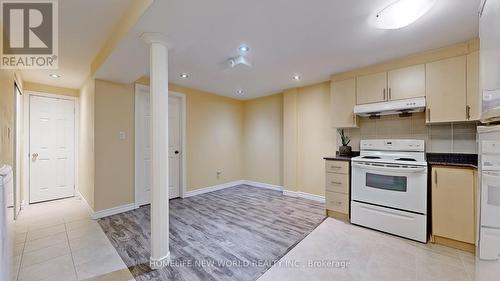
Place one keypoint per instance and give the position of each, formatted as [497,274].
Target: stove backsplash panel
[441,138]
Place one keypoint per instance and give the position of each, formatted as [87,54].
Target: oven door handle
[391,169]
[491,174]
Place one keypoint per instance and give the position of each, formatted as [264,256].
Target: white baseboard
[113,211]
[263,185]
[86,203]
[212,188]
[131,206]
[304,195]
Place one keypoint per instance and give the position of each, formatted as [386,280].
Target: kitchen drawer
[338,202]
[337,182]
[341,167]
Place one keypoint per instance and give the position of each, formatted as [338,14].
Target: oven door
[490,199]
[402,187]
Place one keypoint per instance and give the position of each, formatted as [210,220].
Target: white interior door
[143,146]
[174,146]
[52,148]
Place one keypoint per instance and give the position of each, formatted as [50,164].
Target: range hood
[391,107]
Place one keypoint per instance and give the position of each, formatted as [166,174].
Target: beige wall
[86,162]
[114,158]
[263,139]
[214,128]
[244,139]
[7,114]
[37,87]
[308,137]
[290,141]
[214,138]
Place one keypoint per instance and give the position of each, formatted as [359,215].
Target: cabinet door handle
[384,93]
[428,112]
[467,109]
[335,167]
[390,94]
[336,182]
[436,177]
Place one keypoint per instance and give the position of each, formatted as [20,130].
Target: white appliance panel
[405,224]
[6,182]
[489,158]
[402,187]
[490,60]
[489,245]
[490,194]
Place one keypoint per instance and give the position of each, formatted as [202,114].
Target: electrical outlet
[122,135]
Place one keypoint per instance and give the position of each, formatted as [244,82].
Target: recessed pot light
[401,13]
[54,75]
[240,92]
[244,48]
[296,77]
[184,75]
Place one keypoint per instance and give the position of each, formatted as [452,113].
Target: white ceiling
[312,38]
[84,26]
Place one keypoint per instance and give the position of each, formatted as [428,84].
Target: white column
[160,253]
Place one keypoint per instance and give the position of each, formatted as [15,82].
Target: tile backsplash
[442,138]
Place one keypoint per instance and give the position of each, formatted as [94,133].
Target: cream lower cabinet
[454,207]
[343,100]
[337,189]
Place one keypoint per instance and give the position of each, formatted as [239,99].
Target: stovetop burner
[406,159]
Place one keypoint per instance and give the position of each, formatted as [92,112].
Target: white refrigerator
[489,133]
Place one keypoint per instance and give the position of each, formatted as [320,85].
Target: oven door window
[391,183]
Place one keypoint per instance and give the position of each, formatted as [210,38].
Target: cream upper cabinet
[405,83]
[453,203]
[473,86]
[371,88]
[446,90]
[343,100]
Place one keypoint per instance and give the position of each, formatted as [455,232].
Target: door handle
[34,156]
[176,152]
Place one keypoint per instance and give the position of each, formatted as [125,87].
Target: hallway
[58,240]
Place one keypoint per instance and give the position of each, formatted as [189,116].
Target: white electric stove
[389,187]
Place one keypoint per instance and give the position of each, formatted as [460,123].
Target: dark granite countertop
[446,159]
[453,159]
[342,158]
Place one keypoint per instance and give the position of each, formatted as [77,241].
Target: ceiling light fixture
[240,92]
[401,13]
[244,49]
[296,77]
[184,75]
[54,75]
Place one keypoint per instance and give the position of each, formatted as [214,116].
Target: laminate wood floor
[232,234]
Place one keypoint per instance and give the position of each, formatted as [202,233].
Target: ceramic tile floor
[373,256]
[59,241]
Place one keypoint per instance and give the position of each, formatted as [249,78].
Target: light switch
[122,135]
